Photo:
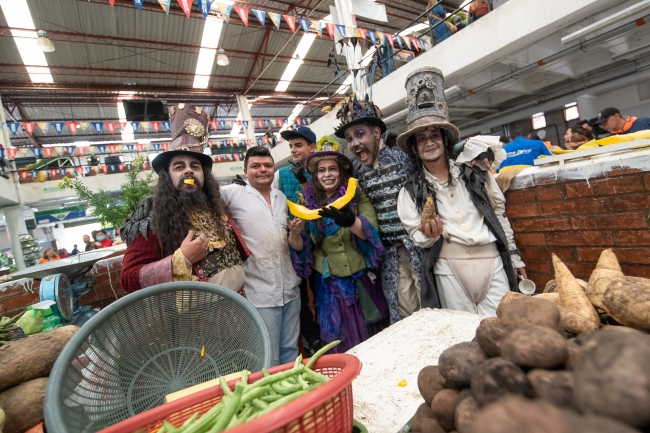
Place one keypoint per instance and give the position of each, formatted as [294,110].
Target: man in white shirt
[271,283]
[468,246]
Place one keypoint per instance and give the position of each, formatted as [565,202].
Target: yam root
[444,408]
[629,304]
[515,414]
[607,270]
[572,296]
[535,347]
[491,320]
[23,405]
[612,376]
[553,297]
[573,350]
[506,299]
[550,287]
[527,311]
[429,213]
[496,378]
[457,362]
[424,411]
[431,425]
[597,424]
[556,387]
[576,324]
[429,382]
[466,412]
[32,357]
[489,336]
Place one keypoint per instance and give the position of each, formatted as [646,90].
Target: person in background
[458,22]
[478,9]
[75,251]
[271,283]
[3,162]
[504,140]
[89,244]
[103,240]
[49,255]
[532,135]
[438,15]
[576,137]
[610,120]
[521,152]
[291,180]
[63,253]
[585,124]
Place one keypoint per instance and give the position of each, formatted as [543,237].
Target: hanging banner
[130,147]
[102,149]
[275,18]
[341,29]
[399,40]
[205,6]
[81,151]
[304,23]
[291,20]
[243,14]
[98,126]
[245,122]
[139,147]
[165,146]
[111,127]
[14,127]
[70,150]
[165,4]
[223,10]
[144,126]
[37,152]
[138,4]
[122,126]
[222,124]
[12,152]
[414,43]
[373,36]
[29,127]
[80,170]
[58,150]
[261,16]
[156,126]
[82,125]
[156,147]
[330,29]
[43,126]
[213,124]
[104,168]
[23,175]
[390,39]
[135,126]
[72,126]
[63,171]
[48,151]
[111,2]
[112,148]
[280,122]
[298,121]
[362,32]
[260,123]
[186,5]
[34,174]
[166,125]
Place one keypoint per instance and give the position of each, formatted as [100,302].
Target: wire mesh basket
[151,343]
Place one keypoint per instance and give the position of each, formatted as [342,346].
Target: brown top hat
[189,128]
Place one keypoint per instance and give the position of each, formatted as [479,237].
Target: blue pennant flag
[58,126]
[222,124]
[156,146]
[37,152]
[373,36]
[165,4]
[245,122]
[102,149]
[166,125]
[70,150]
[112,168]
[34,173]
[261,16]
[63,171]
[267,122]
[14,127]
[128,166]
[399,41]
[205,6]
[135,126]
[304,23]
[138,4]
[286,121]
[341,29]
[98,126]
[130,147]
[87,169]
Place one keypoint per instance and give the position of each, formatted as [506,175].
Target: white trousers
[453,297]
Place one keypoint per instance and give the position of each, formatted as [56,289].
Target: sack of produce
[32,321]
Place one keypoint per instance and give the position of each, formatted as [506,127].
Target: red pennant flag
[213,124]
[120,167]
[415,43]
[53,172]
[238,122]
[390,38]
[111,2]
[156,126]
[81,151]
[139,147]
[110,126]
[186,5]
[23,175]
[298,121]
[280,123]
[260,123]
[330,29]
[29,127]
[362,32]
[165,146]
[265,139]
[80,170]
[231,143]
[72,126]
[48,151]
[243,14]
[112,148]
[104,168]
[12,151]
[122,126]
[291,20]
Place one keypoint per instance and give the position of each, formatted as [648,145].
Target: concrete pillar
[242,103]
[588,106]
[15,227]
[4,132]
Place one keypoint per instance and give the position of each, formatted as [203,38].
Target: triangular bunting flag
[37,152]
[222,124]
[267,122]
[70,150]
[135,126]
[43,126]
[14,127]
[291,20]
[98,126]
[280,123]
[111,127]
[304,23]
[186,5]
[123,126]
[341,29]
[276,18]
[34,173]
[130,147]
[139,147]
[81,150]
[48,151]
[399,40]
[381,38]
[273,122]
[156,147]
[72,126]
[156,126]
[165,146]
[104,168]
[12,152]
[330,29]
[298,121]
[145,126]
[63,171]
[138,4]
[261,16]
[53,173]
[166,125]
[362,32]
[165,4]
[23,174]
[373,36]
[102,149]
[352,32]
[59,150]
[243,14]
[320,28]
[205,6]
[29,127]
[223,10]
[112,148]
[260,123]
[82,125]
[111,2]
[414,43]
[390,39]
[245,122]
[80,170]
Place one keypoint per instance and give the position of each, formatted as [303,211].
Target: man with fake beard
[382,172]
[183,232]
[453,207]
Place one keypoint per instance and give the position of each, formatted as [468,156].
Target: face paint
[363,141]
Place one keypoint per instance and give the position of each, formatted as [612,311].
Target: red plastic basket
[327,409]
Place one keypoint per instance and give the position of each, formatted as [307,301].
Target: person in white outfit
[468,248]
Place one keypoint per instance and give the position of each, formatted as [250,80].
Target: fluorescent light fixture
[209,43]
[296,60]
[17,14]
[415,28]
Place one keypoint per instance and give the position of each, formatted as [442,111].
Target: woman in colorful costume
[344,250]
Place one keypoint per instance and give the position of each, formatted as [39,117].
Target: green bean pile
[250,401]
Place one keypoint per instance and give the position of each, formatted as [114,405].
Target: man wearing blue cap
[302,143]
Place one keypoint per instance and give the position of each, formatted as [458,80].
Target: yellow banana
[312,214]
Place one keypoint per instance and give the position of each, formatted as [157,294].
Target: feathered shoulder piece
[139,221]
[327,144]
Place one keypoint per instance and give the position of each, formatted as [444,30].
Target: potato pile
[576,359]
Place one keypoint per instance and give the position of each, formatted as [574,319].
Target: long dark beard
[171,209]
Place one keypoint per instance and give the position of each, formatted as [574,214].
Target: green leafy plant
[110,211]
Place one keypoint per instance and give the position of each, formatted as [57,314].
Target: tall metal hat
[189,128]
[427,108]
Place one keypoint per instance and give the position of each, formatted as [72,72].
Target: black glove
[298,170]
[342,217]
[487,154]
[239,180]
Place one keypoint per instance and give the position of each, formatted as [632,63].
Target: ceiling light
[43,42]
[222,59]
[296,60]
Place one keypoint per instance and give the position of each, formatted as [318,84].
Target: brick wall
[14,297]
[576,220]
